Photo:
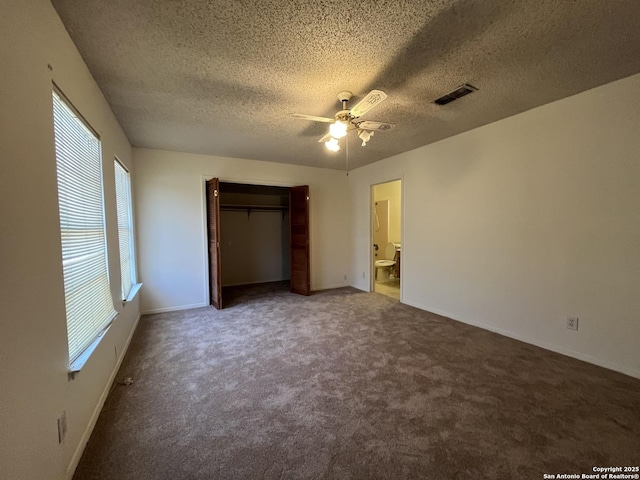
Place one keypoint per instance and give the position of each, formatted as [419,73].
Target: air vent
[461,91]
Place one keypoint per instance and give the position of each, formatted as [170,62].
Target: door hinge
[215,193]
[307,198]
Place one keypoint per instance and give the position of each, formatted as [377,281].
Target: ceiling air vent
[457,93]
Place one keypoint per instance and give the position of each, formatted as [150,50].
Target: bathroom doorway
[386,235]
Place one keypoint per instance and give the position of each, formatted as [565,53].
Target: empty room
[320,239]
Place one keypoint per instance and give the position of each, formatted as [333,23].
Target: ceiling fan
[346,120]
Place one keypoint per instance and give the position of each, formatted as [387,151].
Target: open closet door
[213,230]
[299,235]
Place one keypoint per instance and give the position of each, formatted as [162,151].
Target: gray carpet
[351,385]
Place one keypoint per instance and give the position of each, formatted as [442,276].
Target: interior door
[299,230]
[213,230]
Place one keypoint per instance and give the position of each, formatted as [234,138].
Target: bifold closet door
[299,238]
[213,233]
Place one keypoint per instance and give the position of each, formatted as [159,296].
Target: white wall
[33,343]
[515,225]
[170,205]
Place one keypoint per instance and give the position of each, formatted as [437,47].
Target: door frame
[203,216]
[403,260]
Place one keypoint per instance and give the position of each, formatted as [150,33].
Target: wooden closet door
[213,230]
[299,235]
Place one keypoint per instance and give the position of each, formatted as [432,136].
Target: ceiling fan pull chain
[346,146]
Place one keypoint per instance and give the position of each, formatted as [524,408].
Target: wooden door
[213,230]
[299,235]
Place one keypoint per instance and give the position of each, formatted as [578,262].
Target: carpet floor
[351,385]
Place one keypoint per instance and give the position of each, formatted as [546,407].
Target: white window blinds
[125,228]
[84,257]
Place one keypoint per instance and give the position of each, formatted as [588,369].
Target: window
[125,229]
[87,294]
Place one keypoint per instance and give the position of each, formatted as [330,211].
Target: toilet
[383,266]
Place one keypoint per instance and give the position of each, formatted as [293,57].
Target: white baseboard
[77,455]
[174,309]
[362,286]
[533,341]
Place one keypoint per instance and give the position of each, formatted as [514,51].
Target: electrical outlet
[572,323]
[62,426]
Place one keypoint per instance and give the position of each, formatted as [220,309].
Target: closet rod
[228,206]
[249,208]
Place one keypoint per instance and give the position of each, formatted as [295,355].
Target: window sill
[79,362]
[132,293]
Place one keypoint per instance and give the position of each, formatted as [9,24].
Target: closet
[257,234]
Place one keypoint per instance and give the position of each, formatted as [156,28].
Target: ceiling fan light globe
[338,129]
[365,136]
[333,148]
[332,144]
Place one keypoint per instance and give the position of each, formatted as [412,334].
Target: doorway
[386,235]
[257,234]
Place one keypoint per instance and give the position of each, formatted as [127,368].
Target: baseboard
[538,343]
[75,459]
[363,287]
[174,309]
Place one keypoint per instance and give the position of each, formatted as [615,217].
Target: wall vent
[461,91]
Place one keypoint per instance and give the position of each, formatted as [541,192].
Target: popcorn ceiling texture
[221,77]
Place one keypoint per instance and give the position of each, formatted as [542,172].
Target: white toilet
[383,266]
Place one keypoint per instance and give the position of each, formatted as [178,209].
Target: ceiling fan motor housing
[343,115]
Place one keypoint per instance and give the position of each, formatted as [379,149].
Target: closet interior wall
[254,234]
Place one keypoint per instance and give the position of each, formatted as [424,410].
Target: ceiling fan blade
[373,98]
[326,138]
[375,126]
[311,117]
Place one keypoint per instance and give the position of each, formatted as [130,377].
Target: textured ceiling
[220,77]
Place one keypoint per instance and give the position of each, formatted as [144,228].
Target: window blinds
[84,258]
[125,233]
